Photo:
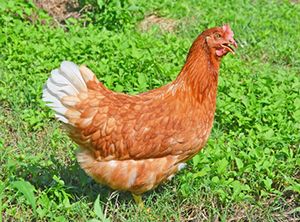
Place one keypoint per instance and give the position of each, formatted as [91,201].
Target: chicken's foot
[138,200]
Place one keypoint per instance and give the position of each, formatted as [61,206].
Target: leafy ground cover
[248,171]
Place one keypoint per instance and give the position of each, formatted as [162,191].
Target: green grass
[248,171]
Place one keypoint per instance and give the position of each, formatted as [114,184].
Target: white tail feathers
[61,89]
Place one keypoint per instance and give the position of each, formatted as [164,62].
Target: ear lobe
[207,39]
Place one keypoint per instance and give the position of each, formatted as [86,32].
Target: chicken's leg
[138,200]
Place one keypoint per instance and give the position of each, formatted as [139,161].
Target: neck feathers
[200,73]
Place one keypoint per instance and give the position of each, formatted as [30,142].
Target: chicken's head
[220,40]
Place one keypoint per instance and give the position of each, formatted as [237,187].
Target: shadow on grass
[69,178]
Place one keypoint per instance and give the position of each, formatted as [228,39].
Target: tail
[62,89]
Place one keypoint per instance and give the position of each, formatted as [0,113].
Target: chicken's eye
[217,35]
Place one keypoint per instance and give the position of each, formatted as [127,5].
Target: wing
[118,126]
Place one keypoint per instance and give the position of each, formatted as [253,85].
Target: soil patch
[60,9]
[165,24]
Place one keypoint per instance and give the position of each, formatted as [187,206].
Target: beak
[230,46]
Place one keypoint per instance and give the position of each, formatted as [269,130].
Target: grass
[248,171]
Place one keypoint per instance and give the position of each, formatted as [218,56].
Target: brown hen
[134,143]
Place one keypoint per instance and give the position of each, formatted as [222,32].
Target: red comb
[228,30]
[229,33]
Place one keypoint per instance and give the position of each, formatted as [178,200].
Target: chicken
[135,142]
